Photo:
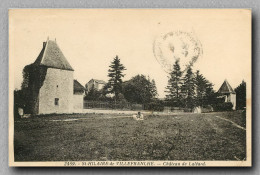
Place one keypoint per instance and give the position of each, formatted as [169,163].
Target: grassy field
[117,137]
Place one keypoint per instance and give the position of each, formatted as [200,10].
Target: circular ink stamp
[177,45]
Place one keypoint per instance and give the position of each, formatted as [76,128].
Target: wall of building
[233,100]
[77,101]
[57,84]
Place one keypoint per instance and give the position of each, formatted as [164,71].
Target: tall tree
[241,95]
[188,89]
[201,85]
[153,89]
[211,95]
[173,89]
[204,93]
[115,74]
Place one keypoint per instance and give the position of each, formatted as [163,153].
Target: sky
[91,38]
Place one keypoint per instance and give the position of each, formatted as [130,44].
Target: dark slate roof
[51,56]
[225,88]
[77,86]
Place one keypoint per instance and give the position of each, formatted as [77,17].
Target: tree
[152,87]
[19,101]
[115,73]
[93,94]
[174,85]
[241,95]
[200,83]
[204,90]
[211,95]
[188,89]
[33,78]
[139,90]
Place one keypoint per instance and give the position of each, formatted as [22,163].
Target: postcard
[130,87]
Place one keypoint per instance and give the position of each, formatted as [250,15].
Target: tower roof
[225,88]
[51,56]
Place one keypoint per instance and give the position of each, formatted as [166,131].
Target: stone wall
[57,84]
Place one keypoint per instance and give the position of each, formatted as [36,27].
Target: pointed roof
[51,56]
[225,88]
[77,86]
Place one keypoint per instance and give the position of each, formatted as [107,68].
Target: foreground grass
[101,137]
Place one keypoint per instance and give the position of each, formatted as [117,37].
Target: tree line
[139,89]
[185,89]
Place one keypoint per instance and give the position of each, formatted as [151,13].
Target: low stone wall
[105,111]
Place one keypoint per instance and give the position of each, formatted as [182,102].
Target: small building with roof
[96,84]
[228,93]
[51,84]
[78,95]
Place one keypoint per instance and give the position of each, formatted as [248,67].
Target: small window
[56,102]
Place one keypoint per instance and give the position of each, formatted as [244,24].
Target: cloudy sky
[90,39]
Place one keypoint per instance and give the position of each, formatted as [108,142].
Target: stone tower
[51,81]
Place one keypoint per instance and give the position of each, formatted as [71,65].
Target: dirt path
[233,123]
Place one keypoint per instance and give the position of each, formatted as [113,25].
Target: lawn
[118,137]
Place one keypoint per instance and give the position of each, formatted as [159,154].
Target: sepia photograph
[130,87]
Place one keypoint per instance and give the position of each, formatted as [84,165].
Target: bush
[207,108]
[121,98]
[154,106]
[187,109]
[223,106]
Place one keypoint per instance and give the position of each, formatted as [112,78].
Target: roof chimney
[43,44]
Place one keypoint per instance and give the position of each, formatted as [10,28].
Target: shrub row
[223,106]
[154,106]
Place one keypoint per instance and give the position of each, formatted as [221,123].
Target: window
[56,102]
